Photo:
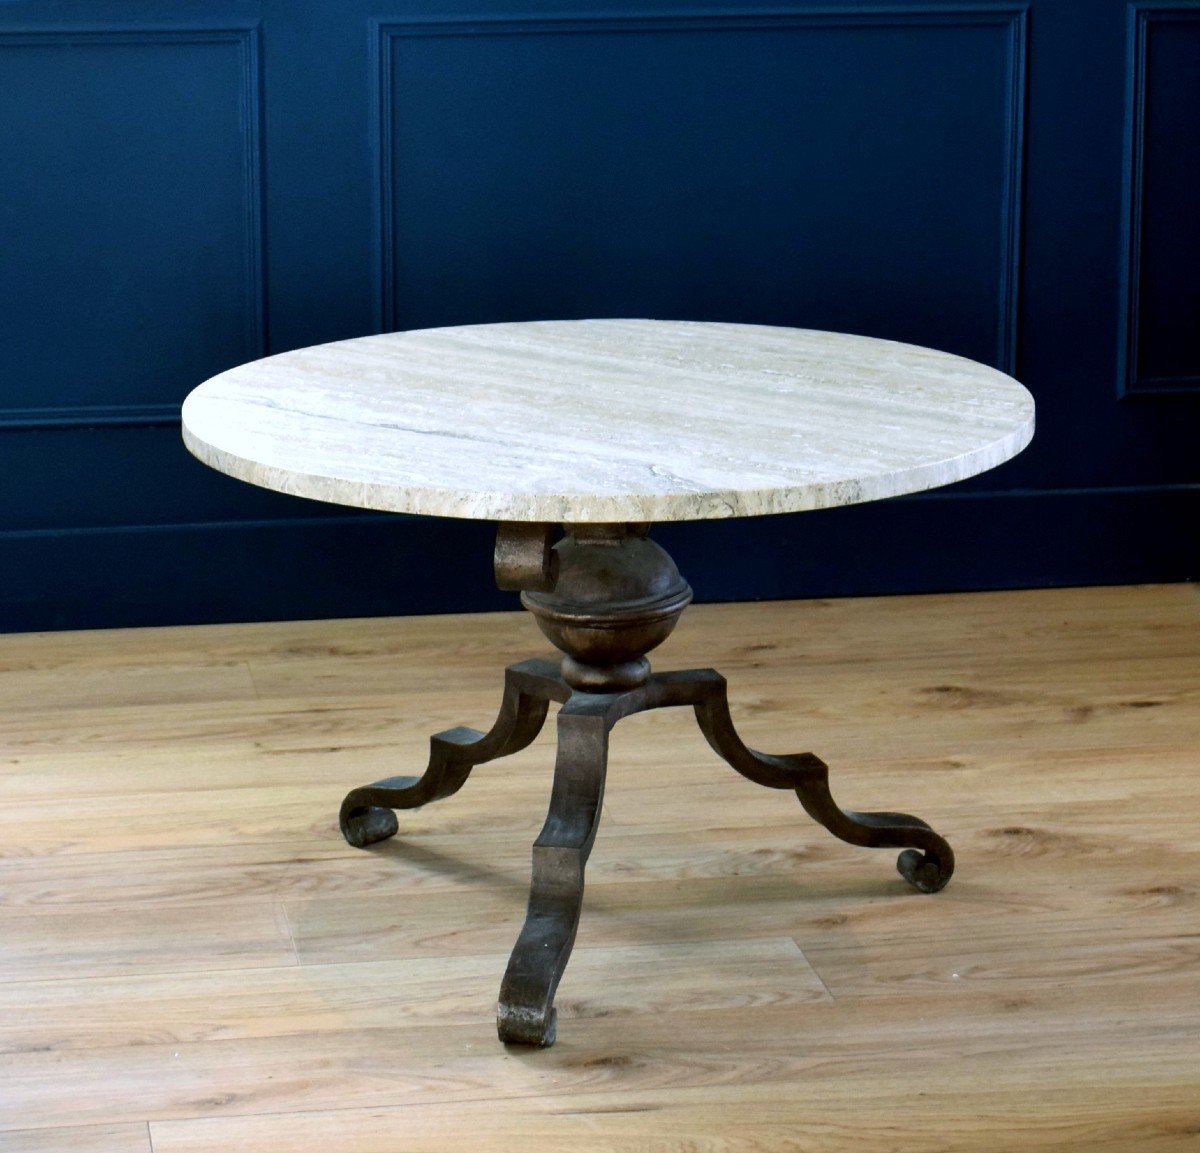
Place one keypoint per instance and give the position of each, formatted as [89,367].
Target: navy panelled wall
[188,185]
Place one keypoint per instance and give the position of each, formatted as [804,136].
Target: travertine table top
[607,420]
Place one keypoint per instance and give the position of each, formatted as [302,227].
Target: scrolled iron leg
[526,1014]
[366,814]
[927,861]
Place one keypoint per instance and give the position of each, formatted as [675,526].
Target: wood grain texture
[189,953]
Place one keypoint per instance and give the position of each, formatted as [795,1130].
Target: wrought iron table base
[594,695]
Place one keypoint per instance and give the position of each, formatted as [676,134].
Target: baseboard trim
[312,568]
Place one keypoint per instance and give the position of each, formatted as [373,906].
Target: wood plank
[54,689]
[105,939]
[132,1138]
[1153,1118]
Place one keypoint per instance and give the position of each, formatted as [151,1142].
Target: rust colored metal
[617,596]
[610,597]
[524,557]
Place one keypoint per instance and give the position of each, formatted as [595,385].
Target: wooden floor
[193,961]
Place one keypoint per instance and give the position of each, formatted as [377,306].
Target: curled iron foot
[923,870]
[364,825]
[538,1029]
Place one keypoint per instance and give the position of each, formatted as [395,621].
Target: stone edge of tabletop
[591,508]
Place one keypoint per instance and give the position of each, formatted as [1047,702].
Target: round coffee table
[594,429]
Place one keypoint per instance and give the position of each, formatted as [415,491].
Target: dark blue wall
[187,185]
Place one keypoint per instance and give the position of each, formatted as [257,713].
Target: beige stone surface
[607,420]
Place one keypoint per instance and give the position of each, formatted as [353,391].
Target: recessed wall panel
[858,172]
[129,219]
[1162,297]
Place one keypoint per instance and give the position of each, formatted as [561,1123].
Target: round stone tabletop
[607,420]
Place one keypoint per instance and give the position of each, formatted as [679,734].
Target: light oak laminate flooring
[193,961]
